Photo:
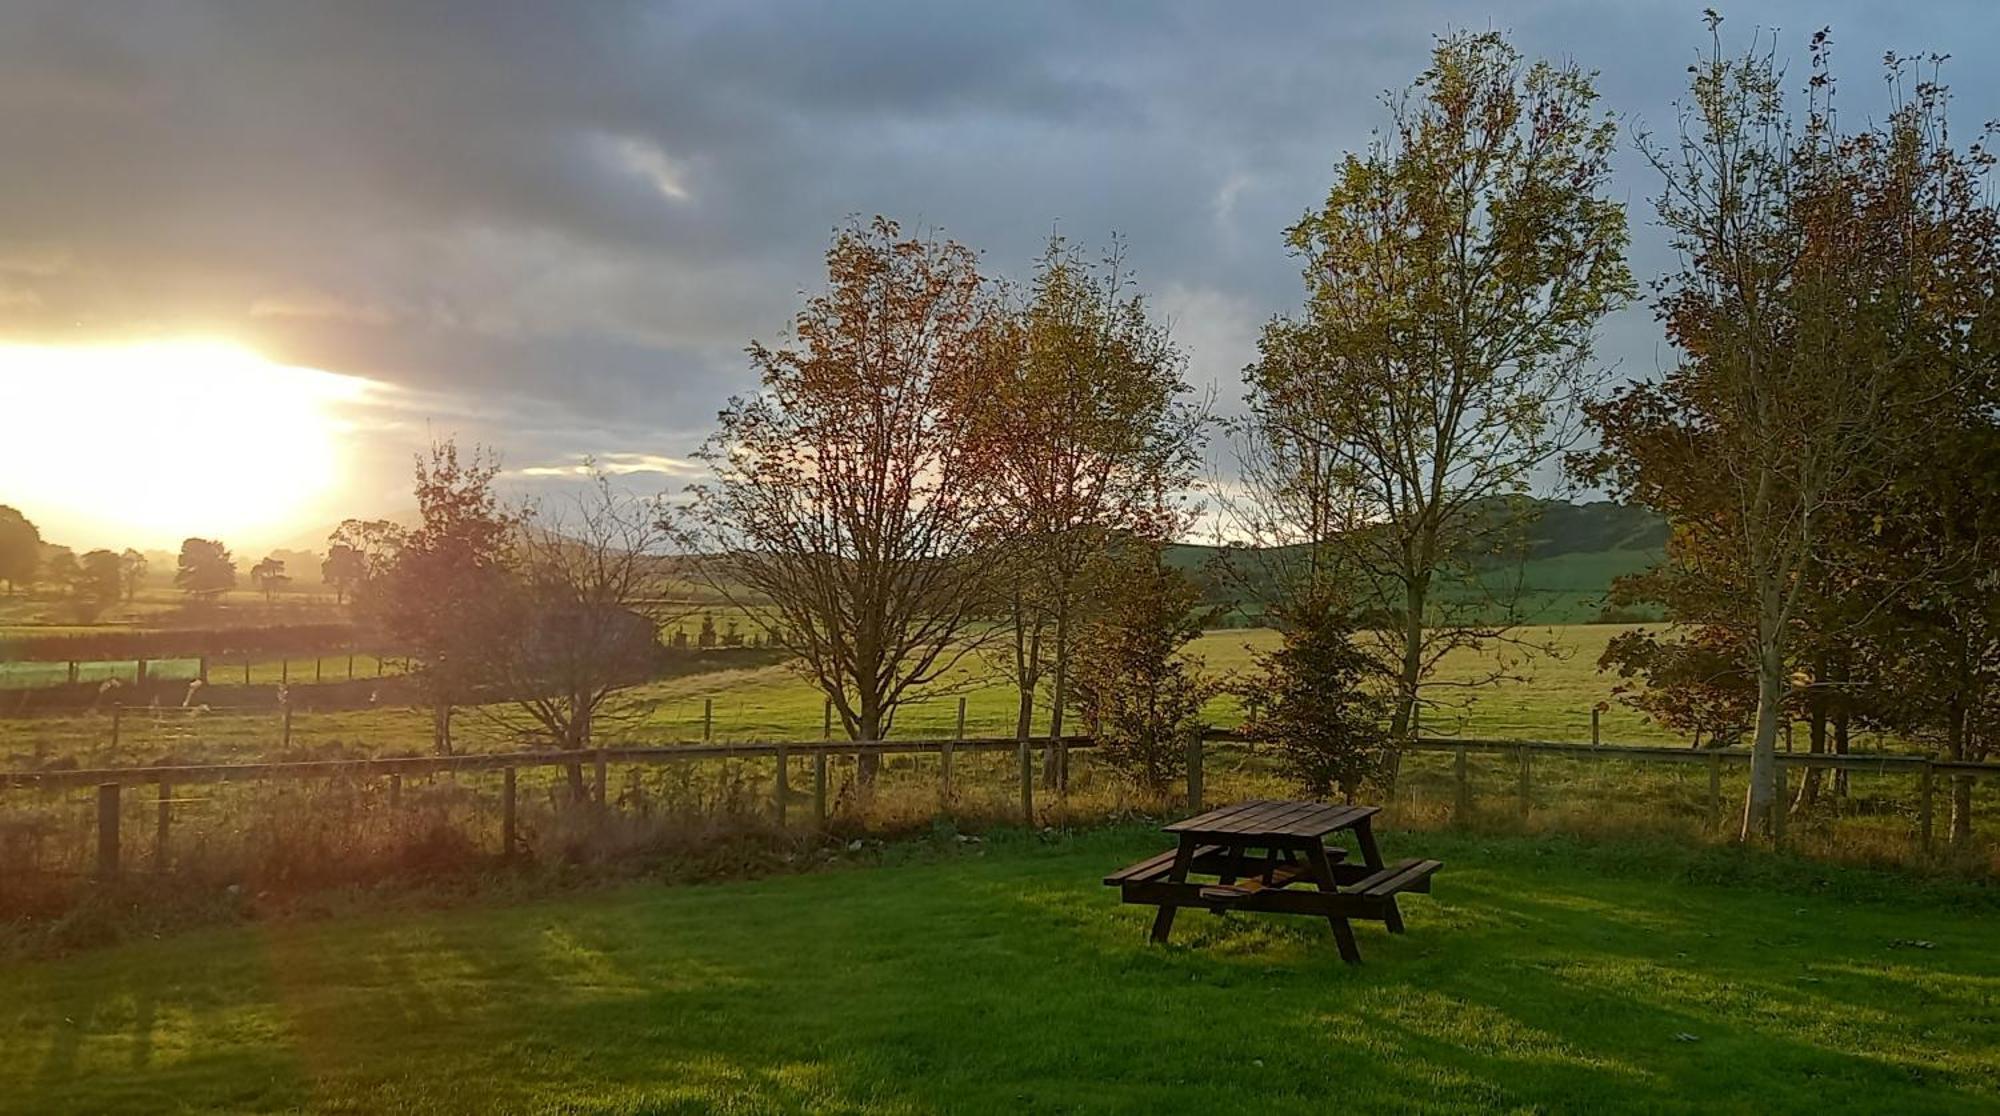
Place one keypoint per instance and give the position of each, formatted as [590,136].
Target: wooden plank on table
[1328,819]
[1242,821]
[1209,819]
[1154,864]
[1280,820]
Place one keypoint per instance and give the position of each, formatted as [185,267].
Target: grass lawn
[1545,975]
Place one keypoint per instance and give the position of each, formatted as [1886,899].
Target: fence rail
[108,782]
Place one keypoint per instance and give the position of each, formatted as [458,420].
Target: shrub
[1134,689]
[1309,703]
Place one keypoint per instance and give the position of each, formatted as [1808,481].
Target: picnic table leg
[1235,869]
[1343,933]
[1371,855]
[1163,922]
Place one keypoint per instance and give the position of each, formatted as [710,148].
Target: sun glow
[144,444]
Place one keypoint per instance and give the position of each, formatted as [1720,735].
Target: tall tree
[97,585]
[132,567]
[441,593]
[20,549]
[269,576]
[205,570]
[846,494]
[1084,438]
[1455,277]
[343,569]
[1821,307]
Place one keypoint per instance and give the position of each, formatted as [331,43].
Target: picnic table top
[1268,818]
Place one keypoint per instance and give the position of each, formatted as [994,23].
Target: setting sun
[143,444]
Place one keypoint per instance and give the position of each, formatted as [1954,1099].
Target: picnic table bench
[1257,849]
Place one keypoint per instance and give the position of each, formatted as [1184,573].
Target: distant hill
[1569,556]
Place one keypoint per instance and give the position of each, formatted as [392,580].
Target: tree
[343,569]
[205,570]
[1828,286]
[269,575]
[97,584]
[1313,705]
[845,492]
[1455,276]
[1083,438]
[1137,691]
[60,570]
[132,567]
[444,591]
[20,549]
[594,585]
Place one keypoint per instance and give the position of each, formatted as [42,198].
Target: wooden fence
[112,783]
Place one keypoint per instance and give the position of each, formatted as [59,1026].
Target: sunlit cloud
[617,465]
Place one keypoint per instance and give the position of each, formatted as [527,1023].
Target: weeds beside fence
[290,828]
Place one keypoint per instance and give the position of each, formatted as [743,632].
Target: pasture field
[1544,975]
[1546,697]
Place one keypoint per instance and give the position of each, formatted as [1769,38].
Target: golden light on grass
[143,444]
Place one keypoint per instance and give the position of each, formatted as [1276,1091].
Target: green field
[1544,975]
[1545,697]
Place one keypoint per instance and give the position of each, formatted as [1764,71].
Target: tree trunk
[1758,803]
[1809,785]
[1402,719]
[1961,785]
[1840,749]
[868,764]
[1054,772]
[441,726]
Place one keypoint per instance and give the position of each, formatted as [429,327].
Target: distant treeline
[189,643]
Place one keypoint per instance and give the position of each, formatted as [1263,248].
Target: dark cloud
[557,225]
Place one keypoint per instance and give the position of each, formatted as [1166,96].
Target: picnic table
[1257,850]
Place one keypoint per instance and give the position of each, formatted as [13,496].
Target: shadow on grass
[1012,982]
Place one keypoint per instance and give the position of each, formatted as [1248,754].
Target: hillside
[1564,566]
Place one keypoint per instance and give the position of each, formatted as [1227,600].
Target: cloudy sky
[553,227]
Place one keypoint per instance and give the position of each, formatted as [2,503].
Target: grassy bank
[999,977]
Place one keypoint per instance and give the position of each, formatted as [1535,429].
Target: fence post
[1525,792]
[507,826]
[246,670]
[945,754]
[1027,783]
[1779,806]
[708,718]
[784,789]
[285,671]
[603,774]
[395,790]
[1596,736]
[316,668]
[819,787]
[1715,790]
[350,666]
[288,722]
[826,721]
[107,831]
[1195,760]
[160,827]
[1461,810]
[117,715]
[139,673]
[1926,787]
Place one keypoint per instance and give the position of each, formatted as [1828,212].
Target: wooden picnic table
[1257,850]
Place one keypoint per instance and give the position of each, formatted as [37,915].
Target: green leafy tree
[1455,277]
[20,549]
[98,584]
[1831,288]
[205,570]
[343,570]
[1083,437]
[1138,692]
[1311,702]
[269,576]
[132,567]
